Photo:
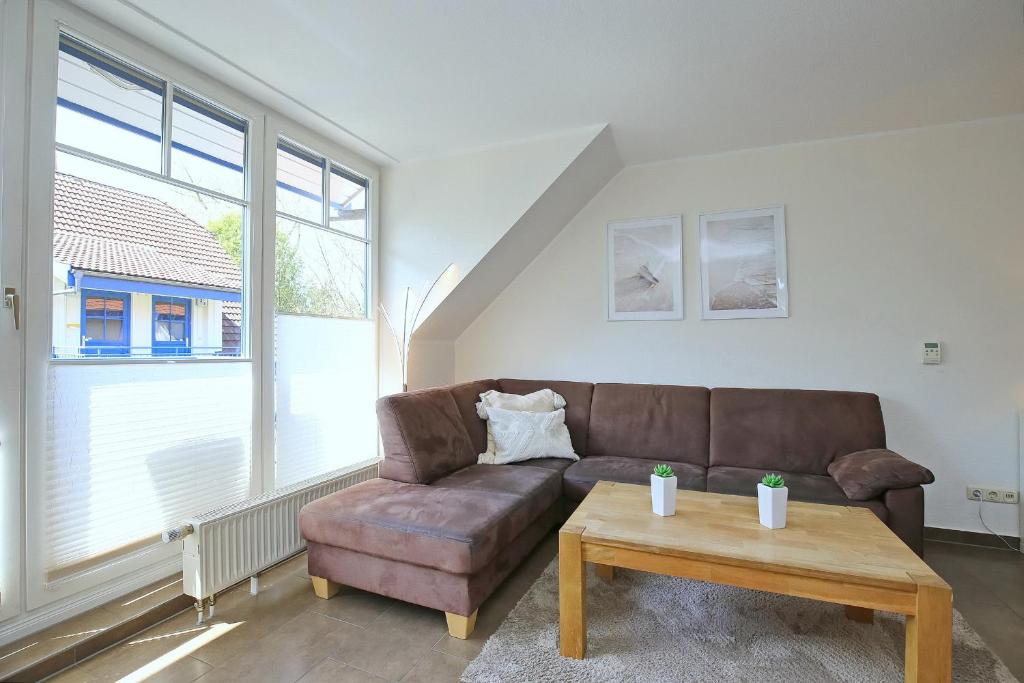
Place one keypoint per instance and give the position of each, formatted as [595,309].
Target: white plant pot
[663,495]
[771,505]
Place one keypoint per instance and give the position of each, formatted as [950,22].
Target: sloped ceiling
[456,209]
[584,176]
[415,80]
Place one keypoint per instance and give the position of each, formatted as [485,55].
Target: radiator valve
[177,533]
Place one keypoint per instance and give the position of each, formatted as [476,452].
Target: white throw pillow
[541,401]
[520,435]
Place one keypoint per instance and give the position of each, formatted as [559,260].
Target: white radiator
[230,544]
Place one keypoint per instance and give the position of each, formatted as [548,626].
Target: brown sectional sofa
[439,530]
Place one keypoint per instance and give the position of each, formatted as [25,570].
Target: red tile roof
[105,229]
[231,326]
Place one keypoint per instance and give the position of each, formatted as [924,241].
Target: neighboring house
[136,277]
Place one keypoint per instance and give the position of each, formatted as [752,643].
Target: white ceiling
[672,78]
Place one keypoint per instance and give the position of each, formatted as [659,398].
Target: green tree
[228,231]
[290,292]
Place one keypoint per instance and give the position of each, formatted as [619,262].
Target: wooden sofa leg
[325,589]
[459,626]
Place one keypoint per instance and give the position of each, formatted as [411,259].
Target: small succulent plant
[773,481]
[663,471]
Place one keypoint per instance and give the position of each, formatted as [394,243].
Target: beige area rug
[646,627]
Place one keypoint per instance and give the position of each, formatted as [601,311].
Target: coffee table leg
[604,571]
[572,587]
[929,654]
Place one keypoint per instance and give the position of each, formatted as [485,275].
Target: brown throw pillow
[869,474]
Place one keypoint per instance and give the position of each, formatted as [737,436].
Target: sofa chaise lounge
[439,530]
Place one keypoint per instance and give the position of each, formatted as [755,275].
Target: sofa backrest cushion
[792,430]
[424,436]
[577,397]
[466,396]
[652,421]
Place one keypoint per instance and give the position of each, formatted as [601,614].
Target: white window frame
[331,163]
[14,36]
[50,17]
[279,127]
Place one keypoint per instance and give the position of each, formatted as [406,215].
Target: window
[107,107]
[172,326]
[151,210]
[150,200]
[322,250]
[324,340]
[106,320]
[207,146]
[148,380]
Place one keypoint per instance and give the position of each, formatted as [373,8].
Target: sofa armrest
[906,516]
[868,474]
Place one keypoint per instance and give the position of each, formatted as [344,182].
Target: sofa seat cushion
[809,488]
[458,524]
[535,482]
[581,476]
[557,464]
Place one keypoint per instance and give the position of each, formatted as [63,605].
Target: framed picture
[645,269]
[743,264]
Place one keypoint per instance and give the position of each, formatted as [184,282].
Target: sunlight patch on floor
[184,650]
[168,635]
[152,592]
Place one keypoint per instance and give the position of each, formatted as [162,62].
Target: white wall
[453,210]
[893,240]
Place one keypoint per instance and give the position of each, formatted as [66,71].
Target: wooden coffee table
[832,553]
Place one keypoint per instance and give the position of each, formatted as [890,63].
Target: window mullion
[165,132]
[113,163]
[325,189]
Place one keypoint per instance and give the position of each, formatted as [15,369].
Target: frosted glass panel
[326,387]
[134,449]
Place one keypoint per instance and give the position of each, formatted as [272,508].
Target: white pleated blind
[325,374]
[132,449]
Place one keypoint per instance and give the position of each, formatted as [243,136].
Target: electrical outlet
[993,495]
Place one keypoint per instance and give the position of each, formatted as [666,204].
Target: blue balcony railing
[164,352]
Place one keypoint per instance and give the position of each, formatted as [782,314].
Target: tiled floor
[286,634]
[89,632]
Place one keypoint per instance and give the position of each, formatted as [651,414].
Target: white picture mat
[778,216]
[672,266]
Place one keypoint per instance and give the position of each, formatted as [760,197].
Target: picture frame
[743,269]
[645,268]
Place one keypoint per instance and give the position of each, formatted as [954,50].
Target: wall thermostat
[931,353]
